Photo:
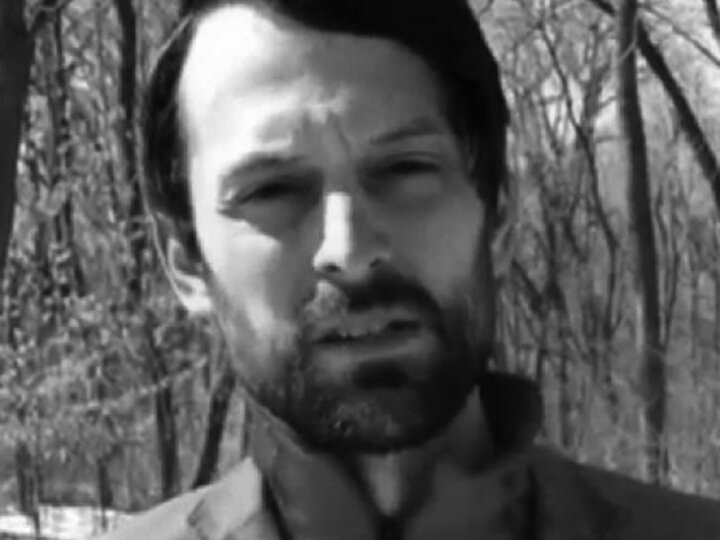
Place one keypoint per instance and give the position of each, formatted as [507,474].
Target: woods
[111,395]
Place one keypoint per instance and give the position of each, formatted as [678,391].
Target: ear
[184,267]
[503,229]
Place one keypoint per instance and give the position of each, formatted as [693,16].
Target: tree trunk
[164,406]
[565,404]
[16,50]
[217,415]
[166,426]
[135,219]
[104,488]
[700,371]
[704,155]
[648,339]
[167,438]
[28,489]
[69,278]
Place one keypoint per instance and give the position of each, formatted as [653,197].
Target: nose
[352,246]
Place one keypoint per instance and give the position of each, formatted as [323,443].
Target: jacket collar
[317,501]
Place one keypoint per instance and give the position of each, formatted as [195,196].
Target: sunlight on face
[321,164]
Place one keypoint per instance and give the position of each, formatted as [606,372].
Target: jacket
[554,498]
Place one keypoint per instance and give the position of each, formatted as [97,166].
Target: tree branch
[713,15]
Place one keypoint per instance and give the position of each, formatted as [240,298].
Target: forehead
[244,63]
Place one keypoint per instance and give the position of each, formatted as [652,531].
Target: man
[323,176]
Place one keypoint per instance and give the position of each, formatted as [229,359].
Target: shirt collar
[318,500]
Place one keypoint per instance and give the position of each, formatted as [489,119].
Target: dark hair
[444,33]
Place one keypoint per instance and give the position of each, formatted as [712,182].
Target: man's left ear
[503,223]
[183,265]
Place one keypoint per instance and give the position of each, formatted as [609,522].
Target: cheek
[257,274]
[441,247]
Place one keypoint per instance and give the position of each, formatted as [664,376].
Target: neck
[396,484]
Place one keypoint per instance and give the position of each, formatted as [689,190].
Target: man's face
[343,245]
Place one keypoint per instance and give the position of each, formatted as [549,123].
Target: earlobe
[187,277]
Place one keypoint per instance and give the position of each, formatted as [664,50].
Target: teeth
[355,326]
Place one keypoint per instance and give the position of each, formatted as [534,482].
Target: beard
[379,406]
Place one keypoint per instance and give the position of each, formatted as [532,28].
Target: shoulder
[657,509]
[632,508]
[209,512]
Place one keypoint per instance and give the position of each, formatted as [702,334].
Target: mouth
[371,344]
[348,335]
[367,328]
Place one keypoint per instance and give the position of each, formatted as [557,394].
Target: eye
[274,191]
[275,202]
[408,178]
[280,194]
[411,167]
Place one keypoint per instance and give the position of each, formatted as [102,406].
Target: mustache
[383,290]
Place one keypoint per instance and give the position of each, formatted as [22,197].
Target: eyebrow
[261,162]
[418,127]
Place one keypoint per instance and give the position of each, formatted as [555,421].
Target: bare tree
[713,15]
[15,60]
[648,335]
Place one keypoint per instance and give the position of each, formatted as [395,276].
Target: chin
[377,420]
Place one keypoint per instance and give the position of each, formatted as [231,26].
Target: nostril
[330,268]
[377,262]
